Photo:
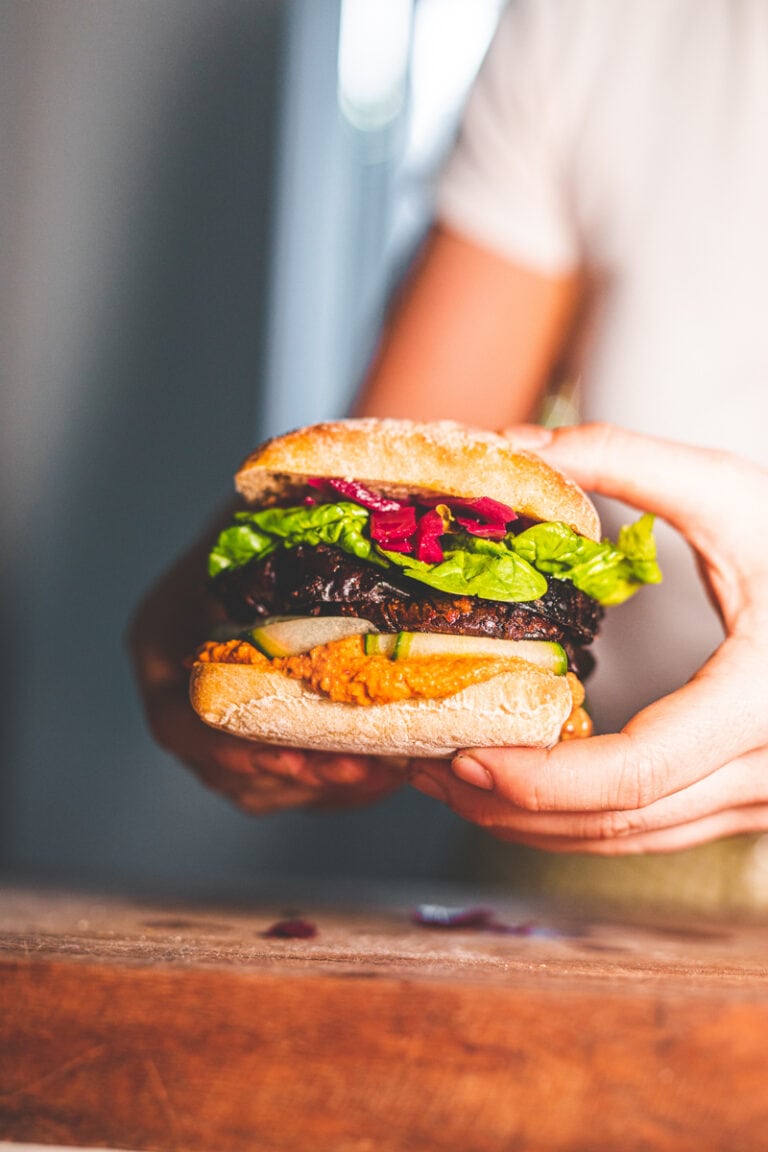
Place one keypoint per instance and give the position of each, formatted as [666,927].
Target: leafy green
[514,569]
[499,576]
[237,545]
[255,534]
[609,573]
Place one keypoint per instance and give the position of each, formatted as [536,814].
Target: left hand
[693,766]
[168,625]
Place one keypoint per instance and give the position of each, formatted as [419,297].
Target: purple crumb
[292,930]
[438,916]
[482,919]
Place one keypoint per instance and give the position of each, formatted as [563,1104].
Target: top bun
[398,457]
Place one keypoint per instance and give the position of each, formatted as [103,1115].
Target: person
[689,768]
[599,222]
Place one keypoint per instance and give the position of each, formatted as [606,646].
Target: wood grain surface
[128,1024]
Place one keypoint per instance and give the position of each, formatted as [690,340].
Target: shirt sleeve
[504,185]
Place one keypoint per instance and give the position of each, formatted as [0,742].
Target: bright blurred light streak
[450,38]
[374,46]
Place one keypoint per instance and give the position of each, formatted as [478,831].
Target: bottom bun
[525,706]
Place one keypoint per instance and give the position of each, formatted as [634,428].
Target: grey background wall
[148,153]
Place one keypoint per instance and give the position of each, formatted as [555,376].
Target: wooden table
[135,1025]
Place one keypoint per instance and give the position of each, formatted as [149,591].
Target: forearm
[470,337]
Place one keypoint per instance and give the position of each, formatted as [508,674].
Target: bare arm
[471,337]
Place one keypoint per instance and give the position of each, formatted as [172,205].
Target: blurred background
[204,205]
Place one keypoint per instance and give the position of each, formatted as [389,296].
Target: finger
[287,763]
[338,775]
[338,768]
[677,740]
[355,795]
[738,784]
[433,779]
[735,822]
[265,794]
[353,781]
[261,792]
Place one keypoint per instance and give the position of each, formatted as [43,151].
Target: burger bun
[525,706]
[401,458]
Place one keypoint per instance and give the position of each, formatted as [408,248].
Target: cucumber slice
[546,653]
[293,635]
[380,643]
[394,644]
[402,645]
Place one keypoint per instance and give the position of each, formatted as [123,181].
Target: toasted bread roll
[402,457]
[526,706]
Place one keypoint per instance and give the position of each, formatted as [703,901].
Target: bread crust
[399,457]
[526,706]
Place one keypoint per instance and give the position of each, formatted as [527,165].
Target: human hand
[168,626]
[693,766]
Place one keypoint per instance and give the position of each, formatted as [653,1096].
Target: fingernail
[429,786]
[528,435]
[472,772]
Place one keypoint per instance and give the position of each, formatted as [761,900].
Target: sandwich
[408,589]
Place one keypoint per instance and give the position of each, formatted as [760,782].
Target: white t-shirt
[630,138]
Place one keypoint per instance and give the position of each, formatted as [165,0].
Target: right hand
[692,766]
